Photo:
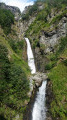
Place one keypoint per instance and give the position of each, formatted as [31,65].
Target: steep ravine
[45,41]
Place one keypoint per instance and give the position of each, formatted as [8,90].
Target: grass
[17,60]
[14,56]
[58,76]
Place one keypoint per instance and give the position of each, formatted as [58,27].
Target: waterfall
[39,109]
[30,57]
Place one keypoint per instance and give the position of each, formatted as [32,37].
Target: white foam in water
[39,109]
[30,57]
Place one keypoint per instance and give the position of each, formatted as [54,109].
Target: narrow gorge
[39,109]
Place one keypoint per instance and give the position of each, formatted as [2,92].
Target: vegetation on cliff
[58,77]
[14,71]
[44,20]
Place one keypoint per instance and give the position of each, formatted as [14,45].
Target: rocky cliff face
[23,25]
[50,39]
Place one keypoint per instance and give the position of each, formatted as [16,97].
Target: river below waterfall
[37,110]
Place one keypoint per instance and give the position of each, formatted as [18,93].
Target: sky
[18,3]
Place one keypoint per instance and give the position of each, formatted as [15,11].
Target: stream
[39,108]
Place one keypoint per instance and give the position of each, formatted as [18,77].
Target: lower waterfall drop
[39,109]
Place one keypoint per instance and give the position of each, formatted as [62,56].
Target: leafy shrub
[53,58]
[6,20]
[33,9]
[3,53]
[42,16]
[16,45]
[58,77]
[65,62]
[20,44]
[50,65]
[13,44]
[36,43]
[63,44]
[4,65]
[25,16]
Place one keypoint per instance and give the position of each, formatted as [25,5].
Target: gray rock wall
[51,39]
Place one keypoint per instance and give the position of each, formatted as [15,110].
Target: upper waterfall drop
[30,57]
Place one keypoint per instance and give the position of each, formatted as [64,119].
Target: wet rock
[49,98]
[32,86]
[36,81]
[49,34]
[38,78]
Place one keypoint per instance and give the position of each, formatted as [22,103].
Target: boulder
[38,78]
[36,81]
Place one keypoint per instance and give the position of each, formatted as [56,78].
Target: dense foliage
[13,83]
[14,71]
[6,20]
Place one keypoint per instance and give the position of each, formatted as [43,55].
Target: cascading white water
[30,57]
[39,109]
